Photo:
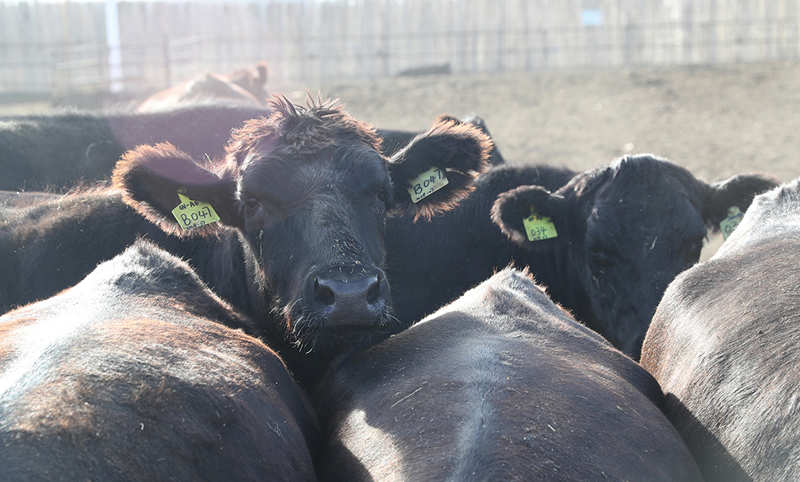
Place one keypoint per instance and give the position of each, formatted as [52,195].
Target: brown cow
[247,86]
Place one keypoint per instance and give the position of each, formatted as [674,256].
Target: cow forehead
[644,215]
[335,170]
[641,202]
[661,181]
[638,189]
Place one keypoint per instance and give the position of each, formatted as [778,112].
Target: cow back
[499,385]
[136,373]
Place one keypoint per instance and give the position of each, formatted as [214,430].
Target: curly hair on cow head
[297,131]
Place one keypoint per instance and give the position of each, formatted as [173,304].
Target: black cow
[725,345]
[136,374]
[394,140]
[501,384]
[306,191]
[431,264]
[59,151]
[623,233]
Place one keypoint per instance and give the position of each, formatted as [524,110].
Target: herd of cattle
[283,292]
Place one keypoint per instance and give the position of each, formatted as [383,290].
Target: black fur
[54,244]
[499,385]
[432,263]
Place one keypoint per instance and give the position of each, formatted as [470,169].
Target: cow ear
[449,150]
[495,158]
[512,208]
[151,177]
[736,192]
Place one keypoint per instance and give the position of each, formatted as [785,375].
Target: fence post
[113,61]
[166,60]
[301,41]
[384,51]
[501,33]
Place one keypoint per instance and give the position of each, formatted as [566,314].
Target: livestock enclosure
[322,251]
[131,46]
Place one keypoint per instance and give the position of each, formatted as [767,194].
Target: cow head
[253,80]
[309,189]
[623,233]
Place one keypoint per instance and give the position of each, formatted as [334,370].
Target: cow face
[624,232]
[309,189]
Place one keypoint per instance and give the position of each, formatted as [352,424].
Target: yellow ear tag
[729,224]
[427,183]
[193,214]
[538,228]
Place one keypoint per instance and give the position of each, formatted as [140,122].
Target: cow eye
[251,206]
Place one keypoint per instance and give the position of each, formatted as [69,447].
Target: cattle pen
[399,240]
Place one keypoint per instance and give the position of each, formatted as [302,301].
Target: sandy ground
[716,121]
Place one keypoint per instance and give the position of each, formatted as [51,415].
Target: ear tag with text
[427,183]
[538,228]
[728,224]
[193,214]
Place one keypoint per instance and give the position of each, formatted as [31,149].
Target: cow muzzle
[349,300]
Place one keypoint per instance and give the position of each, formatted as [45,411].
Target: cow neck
[231,268]
[221,262]
[554,267]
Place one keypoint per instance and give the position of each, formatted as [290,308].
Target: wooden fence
[65,47]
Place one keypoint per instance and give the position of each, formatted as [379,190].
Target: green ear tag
[538,228]
[729,224]
[427,183]
[193,214]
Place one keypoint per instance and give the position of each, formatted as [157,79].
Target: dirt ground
[716,121]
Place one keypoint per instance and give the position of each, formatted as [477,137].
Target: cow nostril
[323,294]
[374,291]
